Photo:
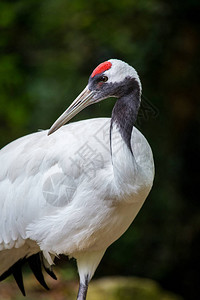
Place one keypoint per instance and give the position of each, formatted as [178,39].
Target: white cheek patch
[120,70]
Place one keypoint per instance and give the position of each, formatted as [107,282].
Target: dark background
[48,50]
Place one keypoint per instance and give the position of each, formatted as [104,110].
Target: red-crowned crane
[75,191]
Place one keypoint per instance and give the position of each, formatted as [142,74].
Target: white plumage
[65,193]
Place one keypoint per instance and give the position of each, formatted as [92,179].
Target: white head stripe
[120,70]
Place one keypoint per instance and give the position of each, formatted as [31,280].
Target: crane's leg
[87,263]
[82,292]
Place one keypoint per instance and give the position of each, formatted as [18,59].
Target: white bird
[76,191]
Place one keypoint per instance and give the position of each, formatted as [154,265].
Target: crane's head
[112,78]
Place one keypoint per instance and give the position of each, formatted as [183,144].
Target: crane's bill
[77,105]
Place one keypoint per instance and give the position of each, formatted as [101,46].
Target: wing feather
[39,174]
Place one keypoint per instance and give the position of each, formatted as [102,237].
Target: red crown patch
[101,68]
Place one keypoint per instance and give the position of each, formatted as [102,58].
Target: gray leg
[82,292]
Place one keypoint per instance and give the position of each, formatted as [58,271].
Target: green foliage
[48,50]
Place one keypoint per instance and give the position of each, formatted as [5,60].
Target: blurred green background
[48,50]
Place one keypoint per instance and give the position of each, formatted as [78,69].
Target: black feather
[6,274]
[50,272]
[17,273]
[35,265]
[16,270]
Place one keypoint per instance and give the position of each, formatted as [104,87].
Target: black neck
[125,113]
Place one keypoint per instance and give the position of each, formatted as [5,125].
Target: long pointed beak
[77,105]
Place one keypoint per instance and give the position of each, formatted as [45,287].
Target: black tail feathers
[35,264]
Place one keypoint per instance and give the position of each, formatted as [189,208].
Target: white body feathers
[63,193]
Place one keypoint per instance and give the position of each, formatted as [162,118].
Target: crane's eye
[104,78]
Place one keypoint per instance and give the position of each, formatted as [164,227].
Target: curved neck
[124,116]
